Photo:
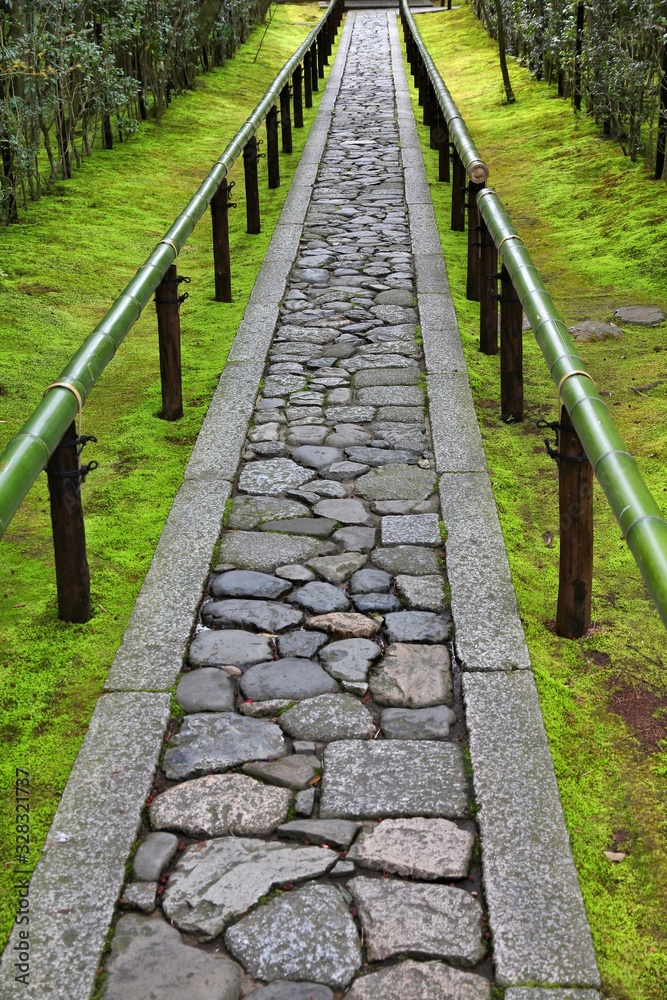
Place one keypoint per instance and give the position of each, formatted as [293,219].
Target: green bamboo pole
[475,166]
[28,452]
[634,507]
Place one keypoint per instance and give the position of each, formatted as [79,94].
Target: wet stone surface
[320,696]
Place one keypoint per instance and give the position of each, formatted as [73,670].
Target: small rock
[640,315]
[264,616]
[328,717]
[304,802]
[272,476]
[206,690]
[264,709]
[345,868]
[210,742]
[249,512]
[411,529]
[350,659]
[301,644]
[417,723]
[337,832]
[295,573]
[321,598]
[337,569]
[370,581]
[418,980]
[413,559]
[413,676]
[345,625]
[342,471]
[355,539]
[397,482]
[248,583]
[294,772]
[417,848]
[153,854]
[235,646]
[328,488]
[305,746]
[376,603]
[589,330]
[264,551]
[344,511]
[316,527]
[281,989]
[316,457]
[292,678]
[140,896]
[425,593]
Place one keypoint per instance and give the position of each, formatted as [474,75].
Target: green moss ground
[597,228]
[59,272]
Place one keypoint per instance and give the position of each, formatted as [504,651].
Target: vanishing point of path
[344,737]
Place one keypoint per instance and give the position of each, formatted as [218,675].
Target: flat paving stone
[220,804]
[265,552]
[431,920]
[417,723]
[346,435]
[302,644]
[398,482]
[387,376]
[418,848]
[284,990]
[320,598]
[316,527]
[332,832]
[640,315]
[295,573]
[153,854]
[354,539]
[296,771]
[350,659]
[411,529]
[328,488]
[291,678]
[349,414]
[317,457]
[345,625]
[140,896]
[406,559]
[380,457]
[391,395]
[248,583]
[422,593]
[206,690]
[369,581]
[344,511]
[217,742]
[233,646]
[305,934]
[249,512]
[328,717]
[265,616]
[264,709]
[417,626]
[218,880]
[412,980]
[149,961]
[304,803]
[413,676]
[376,603]
[345,471]
[391,778]
[544,993]
[337,569]
[273,476]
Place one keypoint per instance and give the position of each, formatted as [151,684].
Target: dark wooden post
[220,206]
[420,83]
[575,502]
[426,115]
[69,534]
[285,119]
[511,351]
[169,336]
[473,282]
[308,80]
[488,305]
[297,97]
[251,187]
[434,117]
[458,223]
[443,148]
[321,55]
[272,152]
[314,65]
[578,45]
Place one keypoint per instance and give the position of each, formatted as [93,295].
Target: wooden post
[488,305]
[443,148]
[434,117]
[297,97]
[169,337]
[473,282]
[575,502]
[458,223]
[272,153]
[578,45]
[251,187]
[420,83]
[314,57]
[308,80]
[221,258]
[321,57]
[69,534]
[285,119]
[511,351]
[661,142]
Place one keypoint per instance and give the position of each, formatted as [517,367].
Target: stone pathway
[321,673]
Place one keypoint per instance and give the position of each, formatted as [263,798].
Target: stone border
[77,881]
[536,911]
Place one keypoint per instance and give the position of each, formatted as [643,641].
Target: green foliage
[599,243]
[61,268]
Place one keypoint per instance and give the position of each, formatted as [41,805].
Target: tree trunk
[509,93]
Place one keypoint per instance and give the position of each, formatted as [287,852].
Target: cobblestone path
[310,832]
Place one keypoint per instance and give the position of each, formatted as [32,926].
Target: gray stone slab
[320,598]
[398,482]
[273,476]
[232,646]
[220,804]
[284,990]
[291,678]
[336,832]
[536,912]
[417,848]
[423,593]
[265,616]
[417,626]
[391,395]
[350,659]
[544,993]
[306,934]
[440,333]
[407,559]
[391,778]
[413,676]
[301,644]
[345,625]
[296,771]
[411,529]
[151,654]
[78,879]
[388,376]
[435,921]
[457,442]
[153,854]
[219,880]
[149,959]
[328,717]
[418,980]
[255,330]
[248,583]
[345,511]
[209,742]
[265,552]
[489,634]
[206,690]
[417,723]
[140,896]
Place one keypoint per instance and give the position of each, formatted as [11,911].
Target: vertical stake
[272,153]
[221,256]
[251,186]
[488,304]
[442,138]
[458,223]
[69,534]
[434,117]
[297,97]
[169,338]
[473,282]
[285,119]
[321,55]
[575,503]
[308,80]
[511,351]
[314,65]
